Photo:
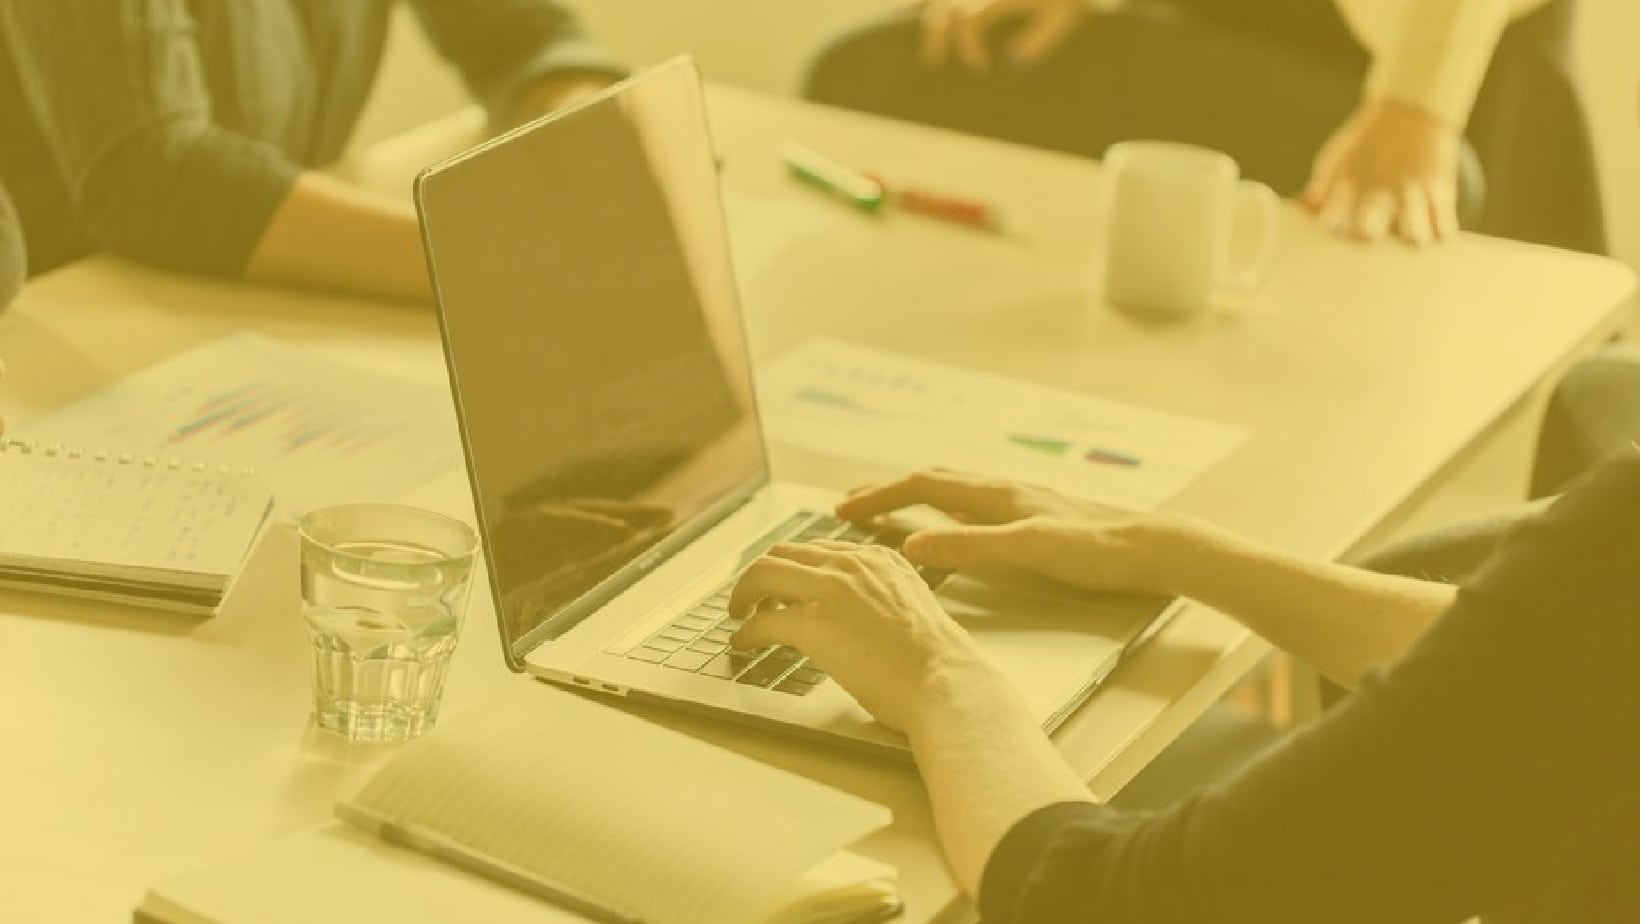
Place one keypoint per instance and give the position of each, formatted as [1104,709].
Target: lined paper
[114,515]
[340,875]
[656,824]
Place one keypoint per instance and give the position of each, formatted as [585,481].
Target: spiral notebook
[124,528]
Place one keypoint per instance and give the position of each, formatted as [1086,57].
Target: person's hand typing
[961,28]
[1391,169]
[864,617]
[1013,525]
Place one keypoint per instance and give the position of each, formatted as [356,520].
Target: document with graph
[316,430]
[840,398]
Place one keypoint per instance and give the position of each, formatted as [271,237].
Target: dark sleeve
[119,93]
[1448,784]
[500,47]
[12,263]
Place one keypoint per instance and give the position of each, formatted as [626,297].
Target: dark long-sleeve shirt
[171,130]
[11,252]
[1494,770]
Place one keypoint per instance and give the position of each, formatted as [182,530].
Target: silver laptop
[599,361]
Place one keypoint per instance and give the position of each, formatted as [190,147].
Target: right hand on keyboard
[1014,525]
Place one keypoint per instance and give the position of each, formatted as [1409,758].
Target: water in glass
[384,616]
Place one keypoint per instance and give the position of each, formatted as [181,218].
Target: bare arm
[977,800]
[1339,619]
[1376,813]
[12,260]
[330,235]
[1392,168]
[1343,620]
[986,763]
[982,756]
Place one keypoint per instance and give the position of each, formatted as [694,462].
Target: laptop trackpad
[1049,640]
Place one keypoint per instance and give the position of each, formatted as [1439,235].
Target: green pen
[827,175]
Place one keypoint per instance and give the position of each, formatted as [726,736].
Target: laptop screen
[595,345]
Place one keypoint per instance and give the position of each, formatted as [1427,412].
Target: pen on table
[831,177]
[958,210]
[869,192]
[1112,457]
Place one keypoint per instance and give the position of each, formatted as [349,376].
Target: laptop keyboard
[697,642]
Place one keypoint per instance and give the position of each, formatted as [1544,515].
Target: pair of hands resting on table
[864,616]
[1391,170]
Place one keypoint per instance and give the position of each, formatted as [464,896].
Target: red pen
[960,211]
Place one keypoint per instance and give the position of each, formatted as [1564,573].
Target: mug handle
[1252,277]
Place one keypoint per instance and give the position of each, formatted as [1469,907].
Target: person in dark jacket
[189,133]
[1486,763]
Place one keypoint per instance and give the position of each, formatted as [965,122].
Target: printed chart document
[550,805]
[315,430]
[844,399]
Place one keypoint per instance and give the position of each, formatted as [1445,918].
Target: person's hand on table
[961,29]
[1008,524]
[866,618]
[1391,169]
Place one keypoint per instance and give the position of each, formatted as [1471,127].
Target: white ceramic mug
[1170,217]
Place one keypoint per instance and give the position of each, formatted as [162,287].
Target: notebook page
[655,824]
[90,515]
[340,875]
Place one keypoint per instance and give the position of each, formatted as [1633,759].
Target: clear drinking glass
[384,589]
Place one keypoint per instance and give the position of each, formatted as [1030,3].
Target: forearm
[327,234]
[986,765]
[1436,57]
[12,262]
[1339,619]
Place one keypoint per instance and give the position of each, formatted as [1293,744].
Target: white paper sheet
[843,399]
[315,430]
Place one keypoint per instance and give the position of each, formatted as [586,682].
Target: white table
[137,745]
